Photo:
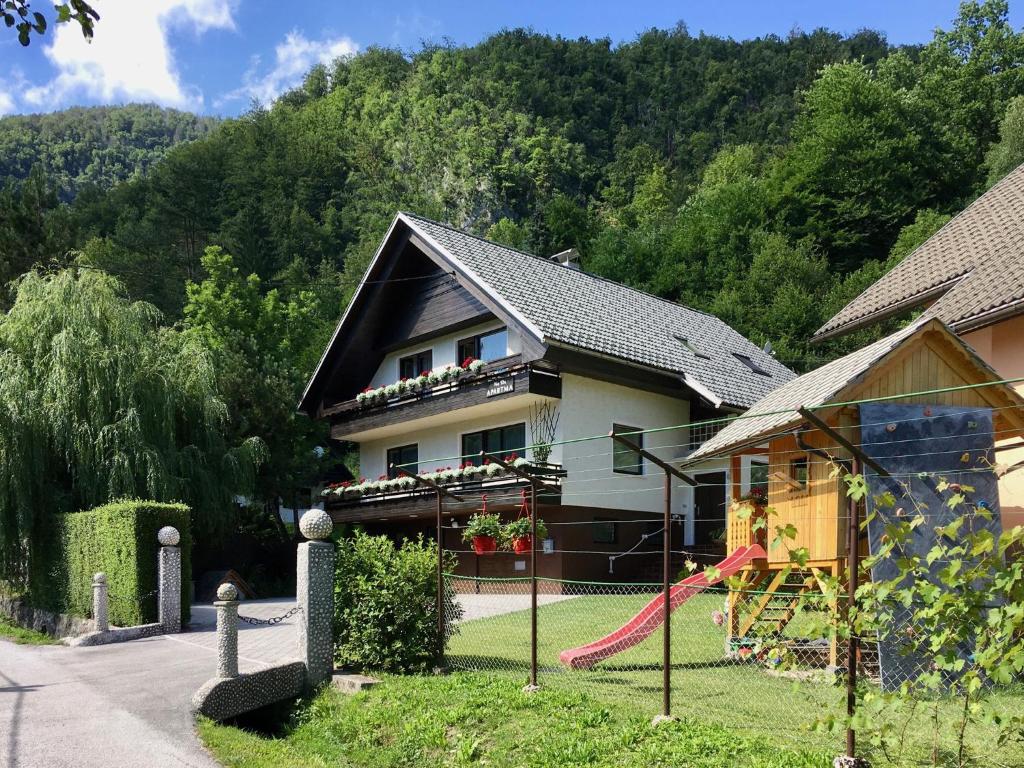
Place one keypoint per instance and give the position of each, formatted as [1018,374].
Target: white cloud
[131,57]
[6,103]
[292,59]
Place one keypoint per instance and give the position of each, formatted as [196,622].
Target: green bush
[385,613]
[119,539]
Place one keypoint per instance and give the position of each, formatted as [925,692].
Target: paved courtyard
[483,606]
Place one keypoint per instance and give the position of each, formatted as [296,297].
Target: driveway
[123,705]
[484,606]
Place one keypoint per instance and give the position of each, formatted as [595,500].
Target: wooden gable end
[937,360]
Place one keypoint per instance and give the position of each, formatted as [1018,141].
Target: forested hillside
[98,146]
[766,180]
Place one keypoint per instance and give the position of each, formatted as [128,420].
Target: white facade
[444,351]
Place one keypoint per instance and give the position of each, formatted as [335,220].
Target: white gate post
[314,583]
[227,630]
[169,579]
[100,611]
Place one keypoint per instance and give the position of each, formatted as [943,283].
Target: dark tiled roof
[975,263]
[571,307]
[778,410]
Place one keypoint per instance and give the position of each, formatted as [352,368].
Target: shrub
[385,612]
[119,539]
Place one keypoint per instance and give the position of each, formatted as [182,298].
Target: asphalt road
[124,705]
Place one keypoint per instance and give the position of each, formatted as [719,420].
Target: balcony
[498,381]
[401,499]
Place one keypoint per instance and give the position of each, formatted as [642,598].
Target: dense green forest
[765,180]
[95,146]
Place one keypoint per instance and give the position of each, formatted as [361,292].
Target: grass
[474,718]
[23,636]
[743,697]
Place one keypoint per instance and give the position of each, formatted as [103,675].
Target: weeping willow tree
[97,402]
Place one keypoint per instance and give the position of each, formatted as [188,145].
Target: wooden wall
[819,510]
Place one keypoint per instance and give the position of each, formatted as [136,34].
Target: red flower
[383,477]
[405,378]
[368,389]
[424,374]
[469,360]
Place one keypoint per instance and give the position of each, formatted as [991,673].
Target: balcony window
[624,460]
[489,346]
[405,456]
[500,441]
[798,471]
[413,365]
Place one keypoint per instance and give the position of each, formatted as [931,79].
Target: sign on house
[501,387]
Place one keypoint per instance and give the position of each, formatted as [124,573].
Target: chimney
[568,258]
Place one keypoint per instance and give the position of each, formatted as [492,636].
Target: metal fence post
[440,580]
[666,703]
[852,647]
[100,597]
[169,579]
[533,686]
[314,584]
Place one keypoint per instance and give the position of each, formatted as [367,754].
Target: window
[798,471]
[624,460]
[405,456]
[701,433]
[500,441]
[492,345]
[750,364]
[413,365]
[604,531]
[759,476]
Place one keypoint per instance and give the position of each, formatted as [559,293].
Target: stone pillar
[314,584]
[227,630]
[100,613]
[169,579]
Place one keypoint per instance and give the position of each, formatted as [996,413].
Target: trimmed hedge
[119,539]
[385,612]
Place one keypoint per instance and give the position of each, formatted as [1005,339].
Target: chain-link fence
[760,662]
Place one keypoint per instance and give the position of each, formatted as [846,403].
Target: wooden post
[851,592]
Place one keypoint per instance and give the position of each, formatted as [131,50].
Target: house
[949,430]
[453,345]
[970,275]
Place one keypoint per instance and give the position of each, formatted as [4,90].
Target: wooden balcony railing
[743,529]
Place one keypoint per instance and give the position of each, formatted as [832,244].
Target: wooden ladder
[777,607]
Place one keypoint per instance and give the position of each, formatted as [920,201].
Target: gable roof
[974,264]
[562,306]
[778,411]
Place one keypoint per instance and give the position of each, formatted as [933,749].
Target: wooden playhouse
[811,425]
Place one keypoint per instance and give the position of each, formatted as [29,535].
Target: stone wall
[56,624]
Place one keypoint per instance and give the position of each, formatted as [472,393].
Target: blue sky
[215,56]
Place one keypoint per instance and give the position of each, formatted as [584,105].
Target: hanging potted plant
[519,534]
[483,530]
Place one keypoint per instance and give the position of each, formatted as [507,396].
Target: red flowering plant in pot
[483,530]
[518,534]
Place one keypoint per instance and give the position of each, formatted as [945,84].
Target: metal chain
[270,622]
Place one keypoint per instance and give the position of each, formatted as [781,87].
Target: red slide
[641,626]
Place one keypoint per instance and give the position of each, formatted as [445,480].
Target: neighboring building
[805,490]
[564,355]
[970,275]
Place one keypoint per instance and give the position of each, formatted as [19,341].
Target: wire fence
[757,662]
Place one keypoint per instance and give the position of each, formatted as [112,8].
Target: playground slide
[641,626]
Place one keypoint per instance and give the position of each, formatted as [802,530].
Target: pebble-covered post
[169,579]
[100,613]
[227,630]
[315,596]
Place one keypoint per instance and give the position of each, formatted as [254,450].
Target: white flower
[391,390]
[493,470]
[476,366]
[520,462]
[435,377]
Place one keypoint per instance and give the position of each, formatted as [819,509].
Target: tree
[1008,152]
[263,348]
[97,402]
[18,14]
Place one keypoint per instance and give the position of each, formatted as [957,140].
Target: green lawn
[22,636]
[743,697]
[483,719]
